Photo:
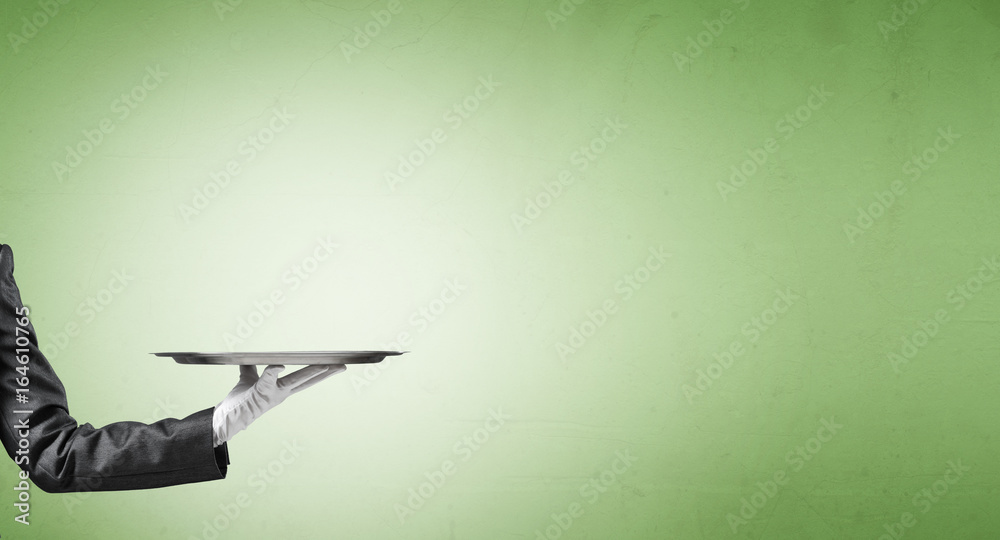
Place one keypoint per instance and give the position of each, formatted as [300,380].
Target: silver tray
[292,358]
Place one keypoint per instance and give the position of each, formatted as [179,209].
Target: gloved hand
[254,396]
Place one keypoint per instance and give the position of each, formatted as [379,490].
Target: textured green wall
[667,269]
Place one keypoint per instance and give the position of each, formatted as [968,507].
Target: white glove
[254,396]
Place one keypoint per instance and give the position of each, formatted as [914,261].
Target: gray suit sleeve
[62,456]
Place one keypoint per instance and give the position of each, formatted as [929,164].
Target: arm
[63,456]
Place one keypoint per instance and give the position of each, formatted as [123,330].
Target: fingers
[269,378]
[330,371]
[308,376]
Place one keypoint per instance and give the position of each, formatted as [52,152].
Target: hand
[254,396]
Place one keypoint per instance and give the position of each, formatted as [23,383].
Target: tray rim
[280,353]
[279,357]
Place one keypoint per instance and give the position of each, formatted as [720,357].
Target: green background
[368,438]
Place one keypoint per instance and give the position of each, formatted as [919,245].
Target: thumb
[248,374]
